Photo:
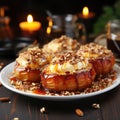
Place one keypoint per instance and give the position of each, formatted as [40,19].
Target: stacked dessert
[29,64]
[63,64]
[67,71]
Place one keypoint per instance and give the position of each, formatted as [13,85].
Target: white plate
[6,72]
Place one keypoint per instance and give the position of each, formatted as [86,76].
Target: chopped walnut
[43,110]
[16,118]
[96,105]
[93,50]
[79,112]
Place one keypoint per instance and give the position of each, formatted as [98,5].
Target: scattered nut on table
[96,105]
[4,99]
[79,112]
[43,110]
[16,118]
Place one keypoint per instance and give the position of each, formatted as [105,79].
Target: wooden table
[26,108]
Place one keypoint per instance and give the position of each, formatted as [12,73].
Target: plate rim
[5,82]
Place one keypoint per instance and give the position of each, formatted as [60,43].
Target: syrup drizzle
[101,82]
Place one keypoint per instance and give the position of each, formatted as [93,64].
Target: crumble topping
[33,58]
[67,62]
[93,51]
[61,44]
[68,56]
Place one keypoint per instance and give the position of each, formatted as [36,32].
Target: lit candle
[48,30]
[30,25]
[85,11]
[86,14]
[50,22]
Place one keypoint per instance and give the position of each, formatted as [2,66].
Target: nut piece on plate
[61,44]
[29,64]
[101,58]
[67,71]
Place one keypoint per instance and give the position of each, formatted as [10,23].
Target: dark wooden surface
[25,108]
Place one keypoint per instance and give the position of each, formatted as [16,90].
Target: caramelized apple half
[103,65]
[69,82]
[27,75]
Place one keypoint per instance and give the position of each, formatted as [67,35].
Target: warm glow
[29,18]
[30,25]
[48,31]
[50,23]
[85,11]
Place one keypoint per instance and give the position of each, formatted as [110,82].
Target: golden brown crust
[29,64]
[27,75]
[103,66]
[101,58]
[69,82]
[68,71]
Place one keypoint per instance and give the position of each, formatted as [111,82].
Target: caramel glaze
[28,75]
[69,82]
[40,91]
[103,65]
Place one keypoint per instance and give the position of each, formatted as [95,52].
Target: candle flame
[48,31]
[85,11]
[29,18]
[50,24]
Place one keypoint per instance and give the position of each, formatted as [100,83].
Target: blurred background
[18,9]
[84,28]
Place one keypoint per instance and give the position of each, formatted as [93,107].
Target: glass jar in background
[57,23]
[69,25]
[74,28]
[5,30]
[80,32]
[113,37]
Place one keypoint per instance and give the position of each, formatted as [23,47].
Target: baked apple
[67,71]
[99,56]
